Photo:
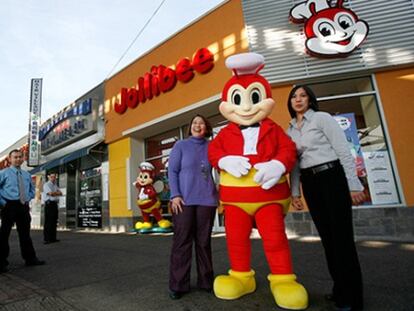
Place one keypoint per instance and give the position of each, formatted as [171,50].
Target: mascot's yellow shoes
[288,293]
[164,223]
[143,225]
[234,285]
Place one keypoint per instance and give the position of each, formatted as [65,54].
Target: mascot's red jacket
[273,144]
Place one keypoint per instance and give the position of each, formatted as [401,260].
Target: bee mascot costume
[253,154]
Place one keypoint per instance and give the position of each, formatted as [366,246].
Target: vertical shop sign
[34,122]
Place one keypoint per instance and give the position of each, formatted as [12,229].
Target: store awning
[62,160]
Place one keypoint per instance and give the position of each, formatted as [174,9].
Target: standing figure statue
[148,201]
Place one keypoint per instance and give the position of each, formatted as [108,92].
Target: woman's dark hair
[209,129]
[313,102]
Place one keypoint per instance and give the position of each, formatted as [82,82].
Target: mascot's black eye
[145,176]
[236,97]
[256,96]
[326,29]
[344,24]
[345,21]
[325,32]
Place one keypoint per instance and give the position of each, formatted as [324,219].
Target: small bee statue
[148,201]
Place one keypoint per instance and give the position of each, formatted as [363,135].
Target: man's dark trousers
[51,217]
[16,212]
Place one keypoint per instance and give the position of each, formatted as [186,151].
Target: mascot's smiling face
[330,31]
[334,31]
[246,97]
[144,178]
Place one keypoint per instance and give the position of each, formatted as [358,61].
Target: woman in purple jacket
[193,204]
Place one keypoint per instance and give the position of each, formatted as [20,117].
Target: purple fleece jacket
[189,173]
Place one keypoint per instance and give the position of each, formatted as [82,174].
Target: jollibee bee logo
[331,31]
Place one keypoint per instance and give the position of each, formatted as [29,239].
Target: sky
[73,46]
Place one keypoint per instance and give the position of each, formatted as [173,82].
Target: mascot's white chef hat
[245,67]
[146,166]
[245,63]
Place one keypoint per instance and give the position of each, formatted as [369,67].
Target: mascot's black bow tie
[242,127]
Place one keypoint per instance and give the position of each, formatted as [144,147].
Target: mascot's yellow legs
[288,293]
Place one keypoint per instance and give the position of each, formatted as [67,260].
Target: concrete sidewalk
[87,271]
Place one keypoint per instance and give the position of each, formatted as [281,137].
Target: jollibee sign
[331,31]
[161,79]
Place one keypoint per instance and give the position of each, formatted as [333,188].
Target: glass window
[359,117]
[161,145]
[343,87]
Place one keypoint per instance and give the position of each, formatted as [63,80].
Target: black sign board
[90,216]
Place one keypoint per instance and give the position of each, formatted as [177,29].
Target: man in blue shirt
[16,191]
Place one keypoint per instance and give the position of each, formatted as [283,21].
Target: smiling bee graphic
[330,31]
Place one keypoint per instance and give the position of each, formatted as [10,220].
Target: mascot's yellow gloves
[234,285]
[288,293]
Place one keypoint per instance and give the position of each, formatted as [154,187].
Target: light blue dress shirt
[9,185]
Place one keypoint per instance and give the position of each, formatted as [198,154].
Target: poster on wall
[380,178]
[347,123]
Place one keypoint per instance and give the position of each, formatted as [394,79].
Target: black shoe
[175,295]
[35,262]
[329,297]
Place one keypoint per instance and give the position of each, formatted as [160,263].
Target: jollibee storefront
[149,103]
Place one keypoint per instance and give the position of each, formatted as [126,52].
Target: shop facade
[72,146]
[148,105]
